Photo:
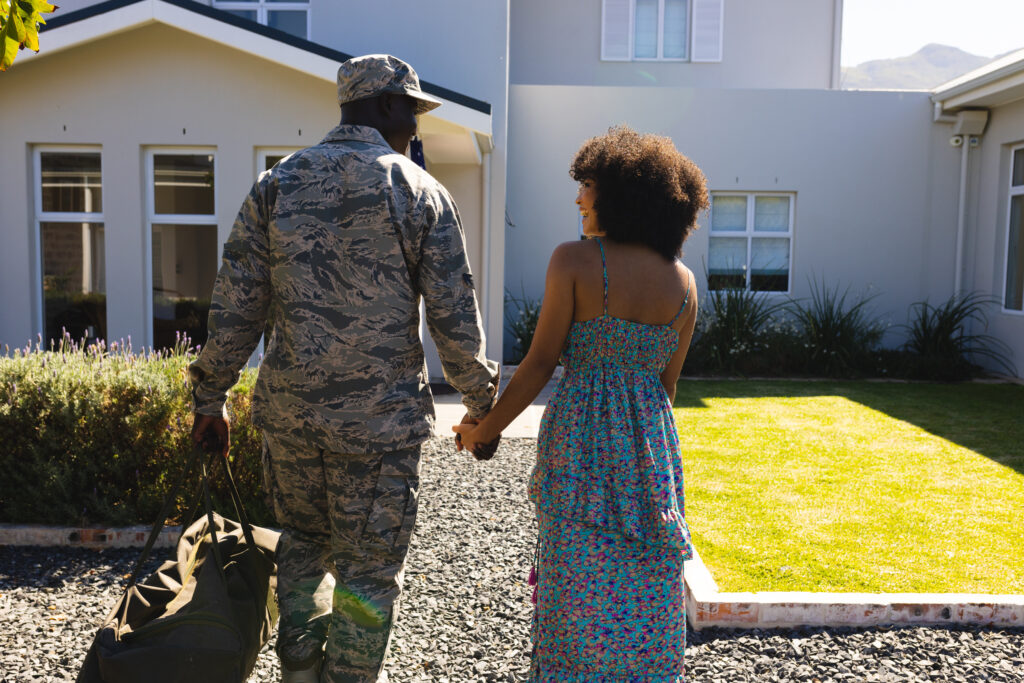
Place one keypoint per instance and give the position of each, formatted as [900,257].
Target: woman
[608,484]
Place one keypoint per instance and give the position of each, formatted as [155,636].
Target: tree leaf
[10,47]
[42,6]
[17,24]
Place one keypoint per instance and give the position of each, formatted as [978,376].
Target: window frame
[750,234]
[261,7]
[1012,191]
[39,217]
[263,152]
[631,30]
[152,217]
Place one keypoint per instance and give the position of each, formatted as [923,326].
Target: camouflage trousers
[347,520]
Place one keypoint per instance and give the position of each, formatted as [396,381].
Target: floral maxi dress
[608,487]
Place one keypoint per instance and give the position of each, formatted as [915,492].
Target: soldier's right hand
[211,432]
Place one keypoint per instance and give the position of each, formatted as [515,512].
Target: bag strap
[158,526]
[202,500]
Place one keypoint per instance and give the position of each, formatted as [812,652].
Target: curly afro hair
[647,192]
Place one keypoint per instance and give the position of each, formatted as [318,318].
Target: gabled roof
[994,84]
[67,31]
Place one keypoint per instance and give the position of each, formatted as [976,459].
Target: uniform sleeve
[453,316]
[238,308]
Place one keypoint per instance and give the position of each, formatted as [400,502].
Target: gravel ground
[466,612]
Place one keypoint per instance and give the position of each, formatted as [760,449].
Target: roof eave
[117,16]
[994,84]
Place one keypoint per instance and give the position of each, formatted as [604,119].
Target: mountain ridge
[926,69]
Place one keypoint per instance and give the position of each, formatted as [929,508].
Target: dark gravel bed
[466,612]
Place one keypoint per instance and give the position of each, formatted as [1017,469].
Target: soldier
[330,254]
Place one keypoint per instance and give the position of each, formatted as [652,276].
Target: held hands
[470,436]
[211,432]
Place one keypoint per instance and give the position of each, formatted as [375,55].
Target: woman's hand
[469,436]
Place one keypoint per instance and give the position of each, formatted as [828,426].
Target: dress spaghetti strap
[604,274]
[686,300]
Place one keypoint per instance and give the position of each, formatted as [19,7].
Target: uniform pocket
[392,515]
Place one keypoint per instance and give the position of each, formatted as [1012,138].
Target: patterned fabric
[372,75]
[330,254]
[350,516]
[608,486]
[609,610]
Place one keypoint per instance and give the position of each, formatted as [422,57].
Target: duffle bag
[205,614]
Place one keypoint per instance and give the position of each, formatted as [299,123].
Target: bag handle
[162,517]
[203,499]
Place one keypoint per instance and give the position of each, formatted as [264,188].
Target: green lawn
[855,486]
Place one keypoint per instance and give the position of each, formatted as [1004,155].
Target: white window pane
[645,29]
[769,264]
[676,29]
[184,268]
[1015,256]
[1018,168]
[769,256]
[183,184]
[727,263]
[244,13]
[771,214]
[71,181]
[290,21]
[74,299]
[728,213]
[727,255]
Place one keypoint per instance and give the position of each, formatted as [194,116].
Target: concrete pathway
[449,409]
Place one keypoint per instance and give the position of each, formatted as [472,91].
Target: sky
[883,29]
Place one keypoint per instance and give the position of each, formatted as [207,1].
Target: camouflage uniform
[330,254]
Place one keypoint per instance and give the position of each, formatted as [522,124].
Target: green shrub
[95,435]
[739,332]
[939,345]
[838,337]
[522,323]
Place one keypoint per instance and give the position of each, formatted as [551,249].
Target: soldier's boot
[310,675]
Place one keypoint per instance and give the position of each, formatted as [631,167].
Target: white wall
[987,225]
[777,44]
[875,181]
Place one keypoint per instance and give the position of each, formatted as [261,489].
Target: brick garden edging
[707,607]
[85,537]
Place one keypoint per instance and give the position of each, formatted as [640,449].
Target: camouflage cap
[372,75]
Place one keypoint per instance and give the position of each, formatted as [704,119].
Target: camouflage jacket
[329,255]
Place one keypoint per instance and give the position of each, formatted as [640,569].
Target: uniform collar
[349,133]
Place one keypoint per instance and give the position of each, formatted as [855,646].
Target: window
[750,242]
[662,30]
[290,16]
[182,241]
[69,229]
[1014,293]
[266,157]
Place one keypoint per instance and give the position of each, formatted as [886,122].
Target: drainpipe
[967,130]
[485,257]
[837,42]
[961,219]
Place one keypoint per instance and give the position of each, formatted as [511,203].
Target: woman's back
[643,286]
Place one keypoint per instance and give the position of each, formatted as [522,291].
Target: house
[152,99]
[139,129]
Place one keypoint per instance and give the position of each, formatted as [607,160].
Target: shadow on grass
[985,418]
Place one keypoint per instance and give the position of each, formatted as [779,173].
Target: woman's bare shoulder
[575,254]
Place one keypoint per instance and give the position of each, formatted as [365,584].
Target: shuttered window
[662,30]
